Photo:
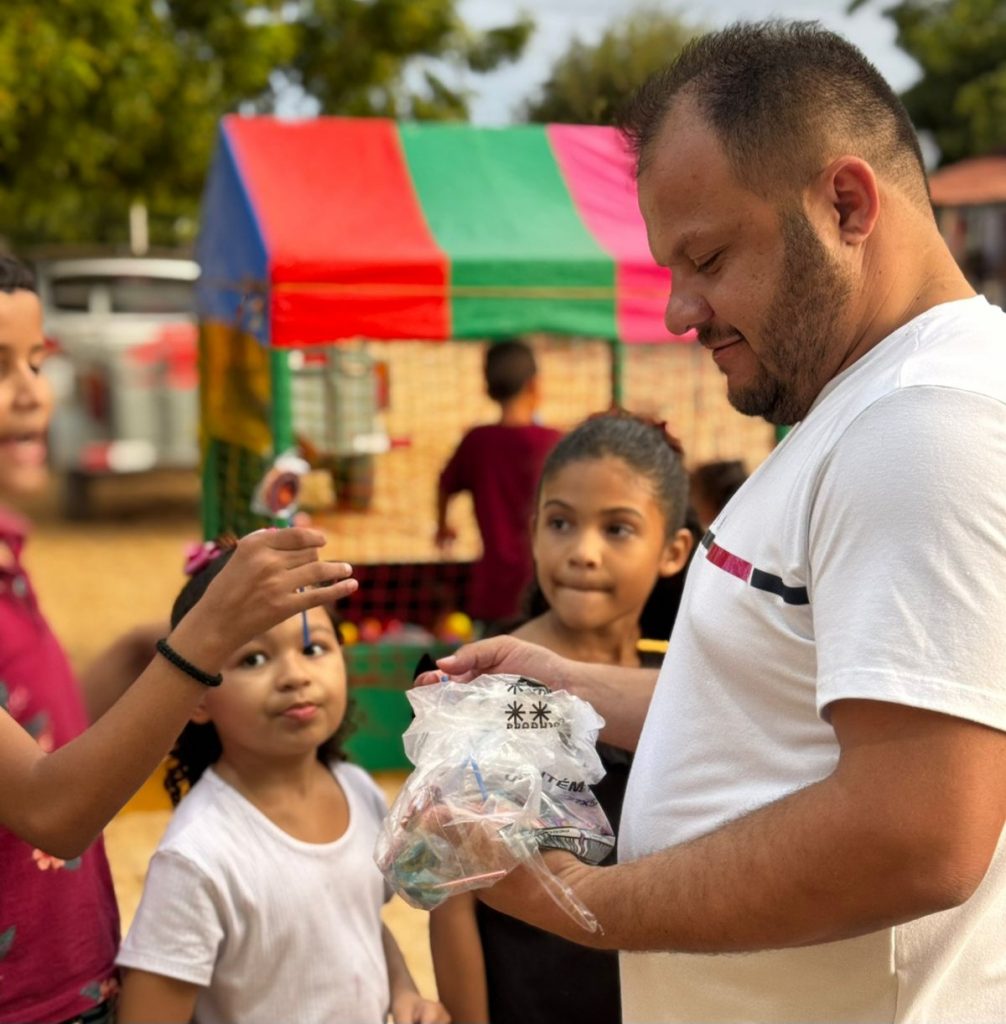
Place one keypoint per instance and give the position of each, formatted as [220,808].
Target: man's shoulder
[960,345]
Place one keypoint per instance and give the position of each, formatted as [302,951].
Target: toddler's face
[25,395]
[599,543]
[279,699]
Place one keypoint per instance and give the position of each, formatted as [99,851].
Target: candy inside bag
[503,770]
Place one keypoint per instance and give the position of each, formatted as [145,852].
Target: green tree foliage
[105,102]
[589,83]
[960,45]
[352,56]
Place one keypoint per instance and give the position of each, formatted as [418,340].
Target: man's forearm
[810,868]
[621,696]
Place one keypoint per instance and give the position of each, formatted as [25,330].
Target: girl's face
[277,699]
[25,396]
[599,543]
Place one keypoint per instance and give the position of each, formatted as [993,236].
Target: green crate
[387,666]
[379,675]
[381,716]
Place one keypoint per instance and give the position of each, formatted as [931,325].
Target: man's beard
[802,326]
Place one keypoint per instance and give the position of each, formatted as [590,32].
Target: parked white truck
[123,330]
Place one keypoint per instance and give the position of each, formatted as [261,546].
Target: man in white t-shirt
[812,829]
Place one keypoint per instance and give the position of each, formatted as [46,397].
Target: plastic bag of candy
[503,769]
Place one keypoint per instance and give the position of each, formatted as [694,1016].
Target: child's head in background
[280,702]
[511,376]
[26,398]
[713,484]
[608,523]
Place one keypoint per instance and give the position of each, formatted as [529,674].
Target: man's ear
[676,552]
[848,186]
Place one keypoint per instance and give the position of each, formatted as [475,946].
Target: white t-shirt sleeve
[907,548]
[178,929]
[363,786]
[373,799]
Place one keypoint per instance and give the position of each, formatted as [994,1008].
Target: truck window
[139,294]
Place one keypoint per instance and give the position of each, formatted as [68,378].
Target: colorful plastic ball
[370,631]
[349,632]
[457,628]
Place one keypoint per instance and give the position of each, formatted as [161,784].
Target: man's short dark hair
[779,95]
[15,276]
[509,368]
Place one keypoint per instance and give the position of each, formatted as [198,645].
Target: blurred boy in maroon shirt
[499,463]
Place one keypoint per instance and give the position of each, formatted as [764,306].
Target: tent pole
[617,371]
[280,381]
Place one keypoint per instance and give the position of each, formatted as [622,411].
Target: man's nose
[686,308]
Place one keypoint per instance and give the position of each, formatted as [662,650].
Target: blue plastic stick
[478,778]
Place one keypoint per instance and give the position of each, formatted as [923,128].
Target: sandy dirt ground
[98,578]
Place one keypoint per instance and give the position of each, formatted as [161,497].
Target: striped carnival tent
[325,235]
[343,259]
[365,227]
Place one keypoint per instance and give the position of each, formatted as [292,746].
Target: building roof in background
[978,181]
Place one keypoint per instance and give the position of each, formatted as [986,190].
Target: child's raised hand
[412,1008]
[272,576]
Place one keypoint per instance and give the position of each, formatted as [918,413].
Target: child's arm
[446,534]
[110,674]
[458,962]
[153,999]
[407,1005]
[60,801]
[454,478]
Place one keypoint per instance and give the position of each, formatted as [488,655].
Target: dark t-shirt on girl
[533,977]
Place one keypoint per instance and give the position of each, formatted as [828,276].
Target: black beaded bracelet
[167,651]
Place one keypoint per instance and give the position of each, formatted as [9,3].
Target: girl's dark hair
[642,443]
[199,746]
[645,445]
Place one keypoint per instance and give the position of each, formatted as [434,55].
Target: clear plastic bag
[503,770]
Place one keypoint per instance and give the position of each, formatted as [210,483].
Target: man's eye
[709,264]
